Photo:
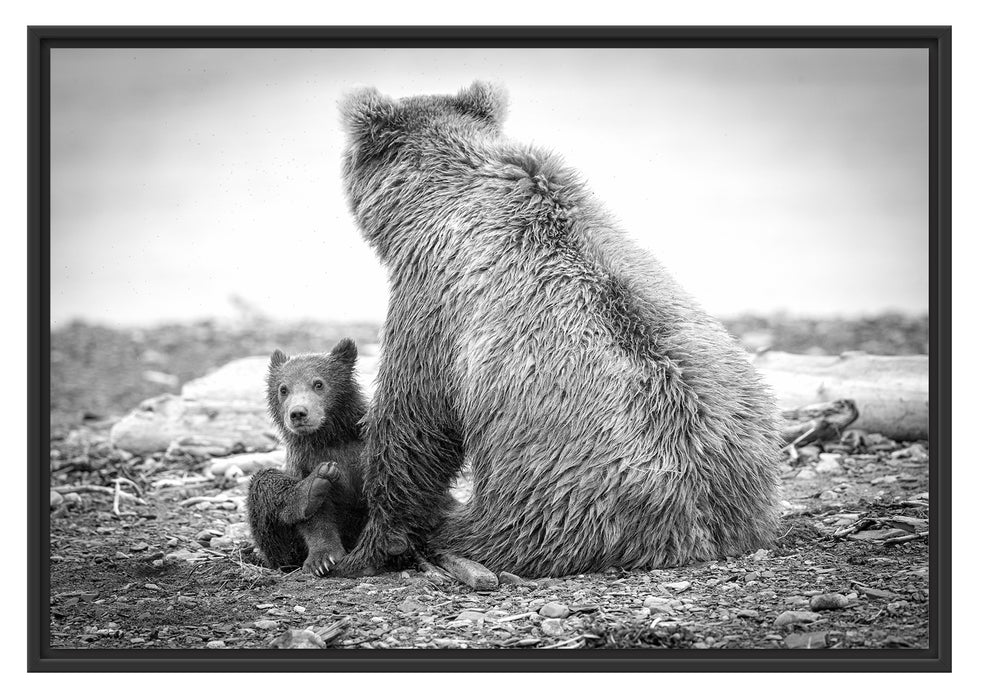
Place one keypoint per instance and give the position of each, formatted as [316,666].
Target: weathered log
[890,392]
[225,411]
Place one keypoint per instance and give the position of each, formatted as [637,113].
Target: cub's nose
[298,413]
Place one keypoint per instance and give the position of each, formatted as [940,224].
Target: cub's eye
[318,385]
[283,390]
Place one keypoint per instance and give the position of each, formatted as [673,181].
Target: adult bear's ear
[365,111]
[486,101]
[277,358]
[345,351]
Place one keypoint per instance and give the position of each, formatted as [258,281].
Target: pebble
[552,627]
[472,615]
[298,639]
[829,464]
[238,532]
[828,496]
[828,601]
[746,613]
[795,617]
[809,452]
[72,499]
[265,624]
[206,535]
[536,604]
[56,499]
[506,577]
[806,640]
[556,610]
[751,576]
[806,474]
[678,586]
[300,609]
[410,605]
[216,644]
[658,604]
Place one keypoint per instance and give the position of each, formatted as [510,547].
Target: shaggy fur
[314,510]
[608,419]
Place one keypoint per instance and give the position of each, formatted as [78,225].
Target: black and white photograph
[492,349]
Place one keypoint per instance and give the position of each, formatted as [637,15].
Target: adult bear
[608,419]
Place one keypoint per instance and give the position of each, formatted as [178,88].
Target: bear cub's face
[303,390]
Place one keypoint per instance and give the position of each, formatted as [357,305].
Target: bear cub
[313,511]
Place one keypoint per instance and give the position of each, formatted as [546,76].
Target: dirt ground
[849,568]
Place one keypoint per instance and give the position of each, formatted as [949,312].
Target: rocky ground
[153,552]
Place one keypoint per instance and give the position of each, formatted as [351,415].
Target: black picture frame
[937,39]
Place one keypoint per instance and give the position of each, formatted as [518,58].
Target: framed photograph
[499,349]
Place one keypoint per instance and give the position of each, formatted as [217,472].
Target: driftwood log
[890,392]
[225,412]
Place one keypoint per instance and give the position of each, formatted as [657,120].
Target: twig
[563,643]
[205,499]
[116,499]
[136,487]
[905,538]
[93,488]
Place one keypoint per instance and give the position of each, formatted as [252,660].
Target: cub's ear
[485,101]
[277,358]
[345,351]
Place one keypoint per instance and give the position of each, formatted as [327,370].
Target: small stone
[746,613]
[556,610]
[298,639]
[411,605]
[795,617]
[828,496]
[751,576]
[300,609]
[151,586]
[809,452]
[472,615]
[223,543]
[206,535]
[828,601]
[875,592]
[761,554]
[678,586]
[215,644]
[448,643]
[56,499]
[536,604]
[72,499]
[806,640]
[265,624]
[552,627]
[238,532]
[658,604]
[806,474]
[506,577]
[796,601]
[829,464]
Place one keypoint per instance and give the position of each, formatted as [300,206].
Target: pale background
[765,180]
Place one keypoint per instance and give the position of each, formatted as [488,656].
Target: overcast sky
[765,180]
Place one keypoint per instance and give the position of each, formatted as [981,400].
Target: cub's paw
[322,562]
[319,485]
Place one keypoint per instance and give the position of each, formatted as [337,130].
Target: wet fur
[608,419]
